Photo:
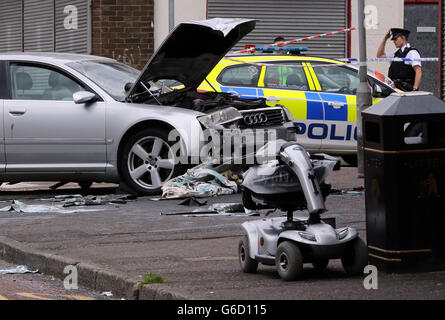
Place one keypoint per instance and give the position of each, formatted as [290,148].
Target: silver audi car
[82,118]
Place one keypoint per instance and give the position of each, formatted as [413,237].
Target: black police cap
[397,32]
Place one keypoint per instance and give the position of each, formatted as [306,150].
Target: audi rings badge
[255,118]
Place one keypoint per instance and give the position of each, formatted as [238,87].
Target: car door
[290,84]
[45,131]
[338,88]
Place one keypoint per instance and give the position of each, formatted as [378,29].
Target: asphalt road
[35,286]
[197,255]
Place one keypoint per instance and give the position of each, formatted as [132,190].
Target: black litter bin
[404,166]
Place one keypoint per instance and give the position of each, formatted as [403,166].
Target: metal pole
[171,15]
[364,94]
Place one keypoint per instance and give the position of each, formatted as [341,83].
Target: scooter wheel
[355,258]
[289,261]
[248,265]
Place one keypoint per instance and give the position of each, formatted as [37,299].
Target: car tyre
[147,161]
[247,264]
[355,258]
[289,261]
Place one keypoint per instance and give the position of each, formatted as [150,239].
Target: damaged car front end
[82,118]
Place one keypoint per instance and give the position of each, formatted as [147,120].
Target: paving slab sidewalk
[117,245]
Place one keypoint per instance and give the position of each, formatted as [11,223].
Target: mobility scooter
[293,181]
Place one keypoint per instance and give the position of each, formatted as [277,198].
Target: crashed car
[82,118]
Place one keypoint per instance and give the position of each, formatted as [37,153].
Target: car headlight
[307,235]
[288,114]
[342,233]
[220,117]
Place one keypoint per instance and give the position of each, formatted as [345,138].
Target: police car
[320,93]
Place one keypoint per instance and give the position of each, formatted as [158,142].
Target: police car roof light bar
[296,50]
[281,43]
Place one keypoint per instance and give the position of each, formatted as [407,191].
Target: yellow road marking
[3,298]
[32,296]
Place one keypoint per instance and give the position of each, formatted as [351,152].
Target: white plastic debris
[18,270]
[198,181]
[20,207]
[107,294]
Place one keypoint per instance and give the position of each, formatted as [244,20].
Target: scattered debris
[18,270]
[97,200]
[107,294]
[20,207]
[227,207]
[356,191]
[223,209]
[230,175]
[199,181]
[192,202]
[186,213]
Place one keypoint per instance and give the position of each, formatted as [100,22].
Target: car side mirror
[84,97]
[376,91]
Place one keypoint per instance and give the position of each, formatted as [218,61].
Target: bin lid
[407,103]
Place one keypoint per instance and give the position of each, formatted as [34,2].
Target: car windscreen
[110,76]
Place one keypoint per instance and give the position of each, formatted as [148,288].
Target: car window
[244,75]
[111,76]
[337,79]
[285,77]
[41,83]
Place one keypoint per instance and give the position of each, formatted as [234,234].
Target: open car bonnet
[192,50]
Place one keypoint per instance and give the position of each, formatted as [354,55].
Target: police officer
[405,74]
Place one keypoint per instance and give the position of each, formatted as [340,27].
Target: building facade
[120,29]
[130,30]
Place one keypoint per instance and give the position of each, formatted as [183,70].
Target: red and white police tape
[348,61]
[281,43]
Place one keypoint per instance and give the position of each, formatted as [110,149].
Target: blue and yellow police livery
[319,92]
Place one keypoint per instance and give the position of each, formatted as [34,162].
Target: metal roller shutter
[290,19]
[38,24]
[45,25]
[72,36]
[11,25]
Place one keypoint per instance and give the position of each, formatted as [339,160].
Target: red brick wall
[123,30]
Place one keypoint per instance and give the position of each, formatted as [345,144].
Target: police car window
[244,75]
[337,79]
[285,77]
